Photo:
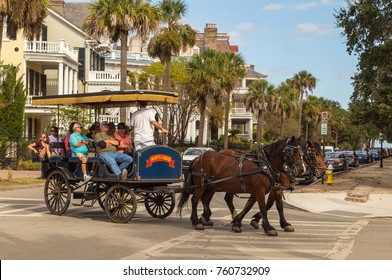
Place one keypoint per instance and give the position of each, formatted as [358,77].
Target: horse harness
[264,167]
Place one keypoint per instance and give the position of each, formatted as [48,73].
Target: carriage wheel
[159,205]
[57,193]
[120,204]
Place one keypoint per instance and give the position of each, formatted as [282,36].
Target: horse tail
[186,191]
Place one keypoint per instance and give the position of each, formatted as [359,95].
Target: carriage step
[78,204]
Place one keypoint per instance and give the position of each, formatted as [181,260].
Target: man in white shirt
[143,122]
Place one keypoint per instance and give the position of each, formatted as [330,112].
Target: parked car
[190,154]
[352,158]
[364,156]
[337,159]
[375,153]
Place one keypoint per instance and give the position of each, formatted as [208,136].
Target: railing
[104,76]
[139,56]
[51,47]
[109,118]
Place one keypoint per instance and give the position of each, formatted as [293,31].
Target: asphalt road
[28,231]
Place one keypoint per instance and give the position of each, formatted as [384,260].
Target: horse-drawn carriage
[151,175]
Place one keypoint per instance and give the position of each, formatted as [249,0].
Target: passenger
[66,140]
[124,139]
[112,129]
[94,129]
[79,147]
[55,138]
[143,122]
[41,148]
[106,147]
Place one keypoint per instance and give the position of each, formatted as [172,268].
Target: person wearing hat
[106,146]
[124,139]
[143,123]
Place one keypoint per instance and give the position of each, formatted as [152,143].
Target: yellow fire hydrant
[329,173]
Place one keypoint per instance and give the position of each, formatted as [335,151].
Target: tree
[233,69]
[115,19]
[27,15]
[367,27]
[170,40]
[259,98]
[202,83]
[304,83]
[285,104]
[311,113]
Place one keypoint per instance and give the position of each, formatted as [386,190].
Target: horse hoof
[272,232]
[254,224]
[199,227]
[288,229]
[236,229]
[208,223]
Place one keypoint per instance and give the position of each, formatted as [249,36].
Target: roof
[108,99]
[250,73]
[76,12]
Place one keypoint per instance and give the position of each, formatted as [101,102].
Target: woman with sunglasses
[41,148]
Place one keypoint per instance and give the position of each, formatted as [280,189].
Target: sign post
[324,127]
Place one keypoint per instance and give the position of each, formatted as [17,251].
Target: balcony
[241,113]
[104,76]
[58,48]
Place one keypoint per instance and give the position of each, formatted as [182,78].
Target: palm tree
[304,83]
[202,82]
[170,40]
[233,69]
[285,104]
[28,15]
[115,19]
[311,112]
[259,98]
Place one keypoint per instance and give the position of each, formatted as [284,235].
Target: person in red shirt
[124,139]
[41,148]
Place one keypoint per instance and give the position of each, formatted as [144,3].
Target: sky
[282,37]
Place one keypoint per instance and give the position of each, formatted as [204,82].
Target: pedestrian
[106,146]
[143,123]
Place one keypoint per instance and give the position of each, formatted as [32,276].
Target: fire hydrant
[329,173]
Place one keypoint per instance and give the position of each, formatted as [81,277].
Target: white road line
[20,210]
[21,198]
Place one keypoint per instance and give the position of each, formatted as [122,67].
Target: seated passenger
[79,147]
[55,138]
[106,148]
[41,148]
[124,138]
[66,140]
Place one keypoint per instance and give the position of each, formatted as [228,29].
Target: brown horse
[314,160]
[214,171]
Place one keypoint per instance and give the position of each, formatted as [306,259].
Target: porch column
[66,75]
[75,84]
[71,80]
[60,79]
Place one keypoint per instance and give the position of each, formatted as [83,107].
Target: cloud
[274,7]
[310,28]
[245,26]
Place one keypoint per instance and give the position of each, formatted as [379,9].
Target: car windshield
[193,152]
[332,155]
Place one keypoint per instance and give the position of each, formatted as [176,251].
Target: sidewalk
[370,198]
[4,173]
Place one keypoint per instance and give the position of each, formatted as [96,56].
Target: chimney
[57,6]
[210,36]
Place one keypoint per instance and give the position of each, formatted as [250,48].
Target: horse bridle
[290,163]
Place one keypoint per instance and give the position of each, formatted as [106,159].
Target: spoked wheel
[57,193]
[120,204]
[101,190]
[159,205]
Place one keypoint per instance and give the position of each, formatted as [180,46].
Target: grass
[20,183]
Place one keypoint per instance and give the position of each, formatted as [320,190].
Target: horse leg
[279,206]
[206,199]
[229,197]
[268,229]
[197,224]
[257,217]
[237,221]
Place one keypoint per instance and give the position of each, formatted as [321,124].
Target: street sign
[324,128]
[324,116]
